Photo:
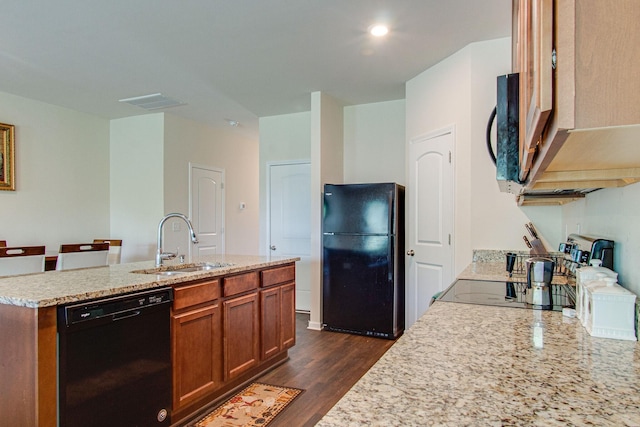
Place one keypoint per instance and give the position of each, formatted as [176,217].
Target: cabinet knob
[410,252]
[272,247]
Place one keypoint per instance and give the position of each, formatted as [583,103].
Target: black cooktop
[503,294]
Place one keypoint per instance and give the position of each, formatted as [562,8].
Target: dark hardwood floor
[325,365]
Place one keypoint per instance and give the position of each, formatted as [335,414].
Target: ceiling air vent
[154,101]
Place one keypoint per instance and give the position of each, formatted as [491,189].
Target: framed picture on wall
[7,169]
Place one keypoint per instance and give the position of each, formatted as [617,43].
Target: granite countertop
[60,287]
[490,265]
[495,271]
[463,364]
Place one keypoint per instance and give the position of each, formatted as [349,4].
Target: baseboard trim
[316,326]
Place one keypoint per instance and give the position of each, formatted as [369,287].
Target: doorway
[289,221]
[430,219]
[206,209]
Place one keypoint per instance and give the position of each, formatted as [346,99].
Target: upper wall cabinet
[579,122]
[532,47]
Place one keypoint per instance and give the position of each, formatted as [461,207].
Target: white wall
[81,177]
[374,149]
[137,184]
[461,91]
[614,214]
[62,175]
[224,148]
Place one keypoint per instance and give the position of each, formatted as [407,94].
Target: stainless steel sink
[163,273]
[201,267]
[184,269]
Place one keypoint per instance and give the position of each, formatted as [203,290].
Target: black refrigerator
[363,259]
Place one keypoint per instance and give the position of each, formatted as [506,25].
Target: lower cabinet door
[278,319]
[288,315]
[270,302]
[197,363]
[241,334]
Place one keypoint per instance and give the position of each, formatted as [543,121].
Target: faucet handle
[168,255]
[179,255]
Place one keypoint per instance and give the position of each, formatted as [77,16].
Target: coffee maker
[539,276]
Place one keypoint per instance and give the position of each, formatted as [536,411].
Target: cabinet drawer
[195,293]
[275,276]
[238,284]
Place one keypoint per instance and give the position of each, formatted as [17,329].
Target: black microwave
[507,134]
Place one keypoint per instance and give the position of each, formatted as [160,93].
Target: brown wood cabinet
[241,334]
[532,55]
[240,324]
[196,341]
[219,327]
[590,140]
[288,310]
[28,387]
[277,310]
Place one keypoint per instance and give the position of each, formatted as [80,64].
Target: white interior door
[430,225]
[290,222]
[207,209]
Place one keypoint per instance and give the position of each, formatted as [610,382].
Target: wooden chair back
[21,260]
[115,249]
[82,255]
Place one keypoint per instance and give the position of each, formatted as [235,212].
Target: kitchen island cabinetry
[28,329]
[589,140]
[277,304]
[28,366]
[241,335]
[240,320]
[222,337]
[196,341]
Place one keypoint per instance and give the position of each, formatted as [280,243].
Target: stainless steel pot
[539,276]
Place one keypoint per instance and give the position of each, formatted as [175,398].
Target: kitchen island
[260,289]
[61,287]
[463,364]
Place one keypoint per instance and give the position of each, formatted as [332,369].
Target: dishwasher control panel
[118,305]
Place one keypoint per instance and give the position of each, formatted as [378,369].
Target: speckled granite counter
[490,265]
[60,287]
[463,364]
[496,271]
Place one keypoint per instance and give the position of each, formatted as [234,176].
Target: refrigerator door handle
[392,264]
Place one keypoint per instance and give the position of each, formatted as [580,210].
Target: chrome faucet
[160,255]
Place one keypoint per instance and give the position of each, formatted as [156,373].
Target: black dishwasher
[114,362]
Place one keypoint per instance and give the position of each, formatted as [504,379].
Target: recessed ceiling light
[378,30]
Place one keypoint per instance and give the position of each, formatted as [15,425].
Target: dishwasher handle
[125,315]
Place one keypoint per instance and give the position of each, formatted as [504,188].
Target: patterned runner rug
[256,405]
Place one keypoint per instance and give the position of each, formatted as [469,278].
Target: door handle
[272,247]
[410,252]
